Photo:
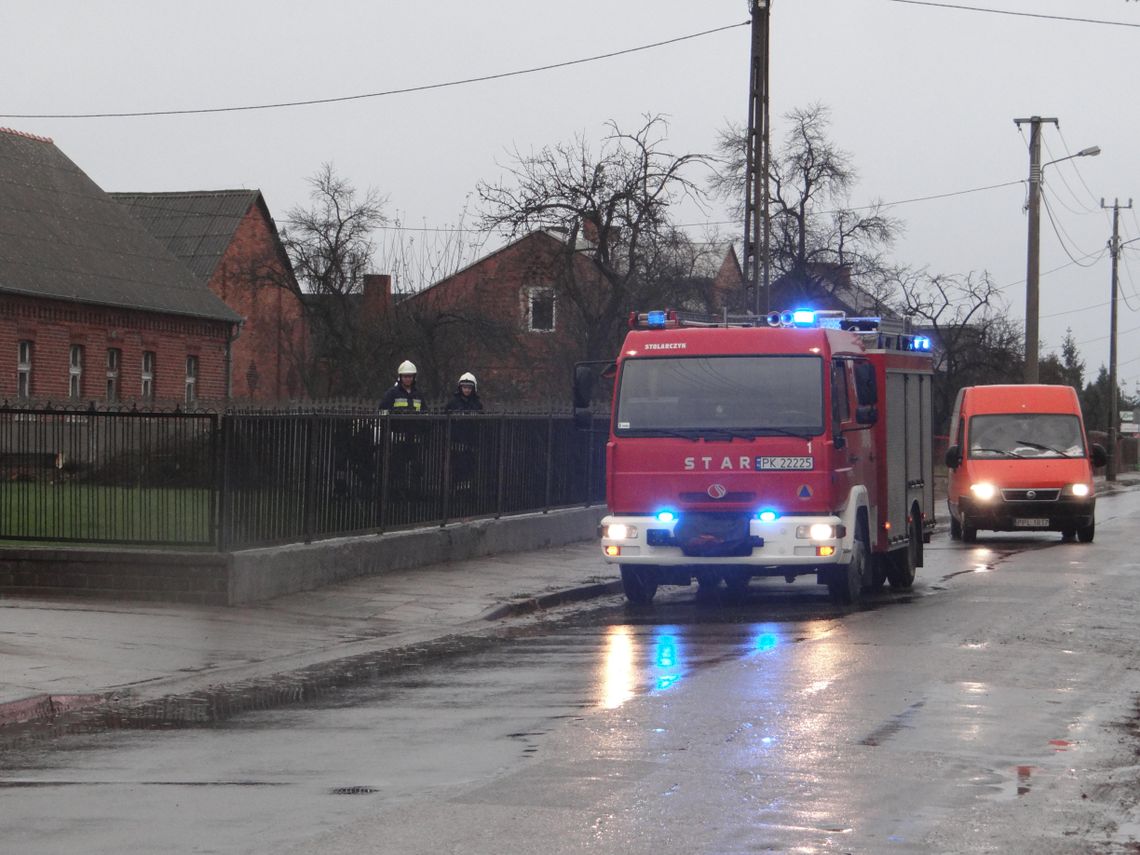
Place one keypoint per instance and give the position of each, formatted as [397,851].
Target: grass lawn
[94,513]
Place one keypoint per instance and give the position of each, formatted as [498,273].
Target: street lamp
[1033,263]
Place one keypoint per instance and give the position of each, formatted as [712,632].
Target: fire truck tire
[845,582]
[905,561]
[639,583]
[955,528]
[1085,533]
[880,564]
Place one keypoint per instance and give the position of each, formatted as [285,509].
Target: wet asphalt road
[990,710]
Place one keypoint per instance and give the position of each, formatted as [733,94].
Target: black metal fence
[238,480]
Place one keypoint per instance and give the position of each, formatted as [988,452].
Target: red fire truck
[793,444]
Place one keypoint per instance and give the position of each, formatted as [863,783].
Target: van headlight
[620,531]
[1079,489]
[983,491]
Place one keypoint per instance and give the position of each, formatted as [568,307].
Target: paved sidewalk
[60,655]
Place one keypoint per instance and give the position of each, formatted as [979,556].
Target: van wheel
[969,532]
[845,583]
[955,528]
[639,583]
[1068,535]
[1085,532]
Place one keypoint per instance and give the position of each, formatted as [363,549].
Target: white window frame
[25,354]
[147,375]
[531,293]
[114,362]
[75,372]
[191,378]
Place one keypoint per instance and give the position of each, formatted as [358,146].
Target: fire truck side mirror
[866,414]
[583,386]
[953,457]
[866,388]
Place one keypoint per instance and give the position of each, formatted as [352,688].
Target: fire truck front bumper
[725,538]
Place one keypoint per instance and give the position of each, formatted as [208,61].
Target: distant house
[508,317]
[92,307]
[826,286]
[230,243]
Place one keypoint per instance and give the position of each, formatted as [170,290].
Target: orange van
[1019,460]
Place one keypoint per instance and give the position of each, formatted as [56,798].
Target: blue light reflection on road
[668,658]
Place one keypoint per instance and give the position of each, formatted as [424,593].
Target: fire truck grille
[727,497]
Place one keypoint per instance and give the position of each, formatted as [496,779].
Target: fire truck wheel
[879,567]
[1085,533]
[904,561]
[845,583]
[639,583]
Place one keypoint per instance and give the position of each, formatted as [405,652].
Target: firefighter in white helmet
[403,397]
[466,397]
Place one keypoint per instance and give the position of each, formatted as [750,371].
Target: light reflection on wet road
[967,716]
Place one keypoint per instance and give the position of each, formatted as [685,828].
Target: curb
[44,708]
[547,601]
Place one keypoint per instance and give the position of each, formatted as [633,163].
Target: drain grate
[353,791]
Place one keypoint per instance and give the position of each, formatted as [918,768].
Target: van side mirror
[953,457]
[866,414]
[1099,456]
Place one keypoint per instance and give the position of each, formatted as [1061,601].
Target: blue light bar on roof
[803,318]
[655,319]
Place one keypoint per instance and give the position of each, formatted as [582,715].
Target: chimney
[377,295]
[590,226]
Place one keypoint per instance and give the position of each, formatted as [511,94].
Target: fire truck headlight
[983,491]
[821,531]
[620,531]
[1078,489]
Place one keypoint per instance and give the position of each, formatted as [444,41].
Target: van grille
[1030,495]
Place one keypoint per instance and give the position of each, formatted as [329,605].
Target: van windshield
[1025,435]
[735,395]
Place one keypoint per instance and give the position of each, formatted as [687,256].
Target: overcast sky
[922,98]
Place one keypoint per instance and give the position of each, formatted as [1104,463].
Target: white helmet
[468,377]
[406,367]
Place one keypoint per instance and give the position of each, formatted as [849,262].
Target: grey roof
[196,227]
[63,238]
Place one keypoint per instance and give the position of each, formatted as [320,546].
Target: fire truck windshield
[726,395]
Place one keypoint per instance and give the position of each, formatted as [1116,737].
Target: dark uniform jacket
[461,403]
[400,400]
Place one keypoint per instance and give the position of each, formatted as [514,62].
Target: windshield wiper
[996,451]
[1040,446]
[687,433]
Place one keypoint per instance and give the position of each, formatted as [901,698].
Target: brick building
[508,317]
[230,243]
[92,307]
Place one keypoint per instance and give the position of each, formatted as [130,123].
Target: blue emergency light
[666,516]
[655,320]
[803,318]
[767,516]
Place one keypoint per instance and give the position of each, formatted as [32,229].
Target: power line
[404,91]
[1017,14]
[1058,230]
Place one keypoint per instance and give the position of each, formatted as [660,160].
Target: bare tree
[330,245]
[812,224]
[612,209]
[975,342]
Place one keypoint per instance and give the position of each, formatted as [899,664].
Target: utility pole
[1033,263]
[1113,394]
[756,159]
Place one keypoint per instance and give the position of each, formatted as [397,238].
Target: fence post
[307,501]
[549,458]
[445,499]
[385,466]
[224,527]
[502,466]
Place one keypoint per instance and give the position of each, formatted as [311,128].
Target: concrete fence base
[250,575]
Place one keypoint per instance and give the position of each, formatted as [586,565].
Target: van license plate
[1031,522]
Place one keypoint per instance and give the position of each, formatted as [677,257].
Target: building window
[75,372]
[191,379]
[24,370]
[148,375]
[114,360]
[540,309]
